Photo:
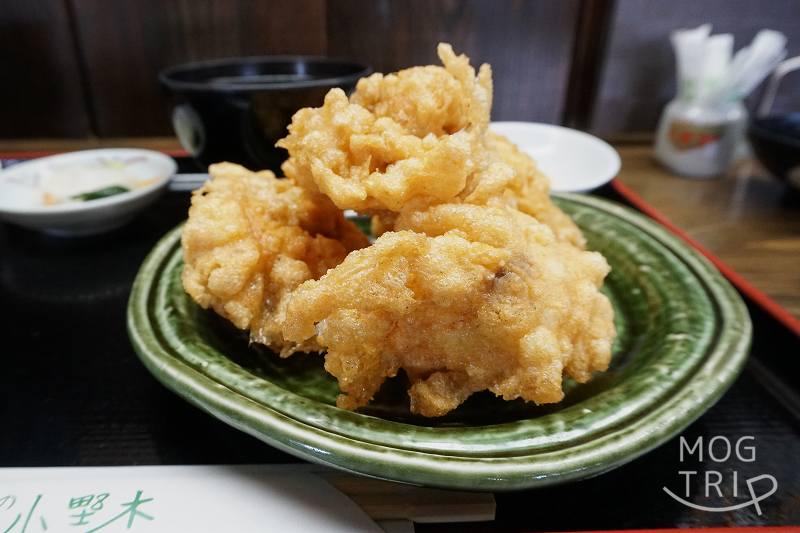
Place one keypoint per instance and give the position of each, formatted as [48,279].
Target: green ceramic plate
[683,335]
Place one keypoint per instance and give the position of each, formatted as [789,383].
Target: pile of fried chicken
[476,280]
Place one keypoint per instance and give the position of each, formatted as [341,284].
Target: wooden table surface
[748,220]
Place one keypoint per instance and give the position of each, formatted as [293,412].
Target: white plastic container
[700,141]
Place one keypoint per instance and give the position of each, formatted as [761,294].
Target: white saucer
[573,160]
[20,201]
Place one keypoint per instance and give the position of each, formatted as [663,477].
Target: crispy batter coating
[477,281]
[570,277]
[506,177]
[370,163]
[473,298]
[406,138]
[528,190]
[430,99]
[251,239]
[414,139]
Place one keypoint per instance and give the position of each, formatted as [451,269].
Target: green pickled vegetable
[364,224]
[105,192]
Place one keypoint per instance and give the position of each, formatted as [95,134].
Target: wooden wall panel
[639,73]
[528,43]
[101,78]
[40,93]
[127,42]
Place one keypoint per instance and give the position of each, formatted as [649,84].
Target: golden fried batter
[473,298]
[477,282]
[406,138]
[251,239]
[580,273]
[505,177]
[368,163]
[414,139]
[431,99]
[528,190]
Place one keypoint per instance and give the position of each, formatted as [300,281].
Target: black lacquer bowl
[776,143]
[237,109]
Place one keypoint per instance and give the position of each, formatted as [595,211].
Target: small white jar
[699,141]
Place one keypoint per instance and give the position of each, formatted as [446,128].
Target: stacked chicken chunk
[476,281]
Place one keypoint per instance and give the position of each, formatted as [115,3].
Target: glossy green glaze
[683,335]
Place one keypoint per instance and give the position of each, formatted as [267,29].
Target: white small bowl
[573,160]
[88,217]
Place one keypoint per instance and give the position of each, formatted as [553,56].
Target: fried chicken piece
[405,138]
[370,163]
[506,177]
[528,190]
[478,281]
[414,139]
[581,273]
[473,298]
[431,99]
[251,239]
